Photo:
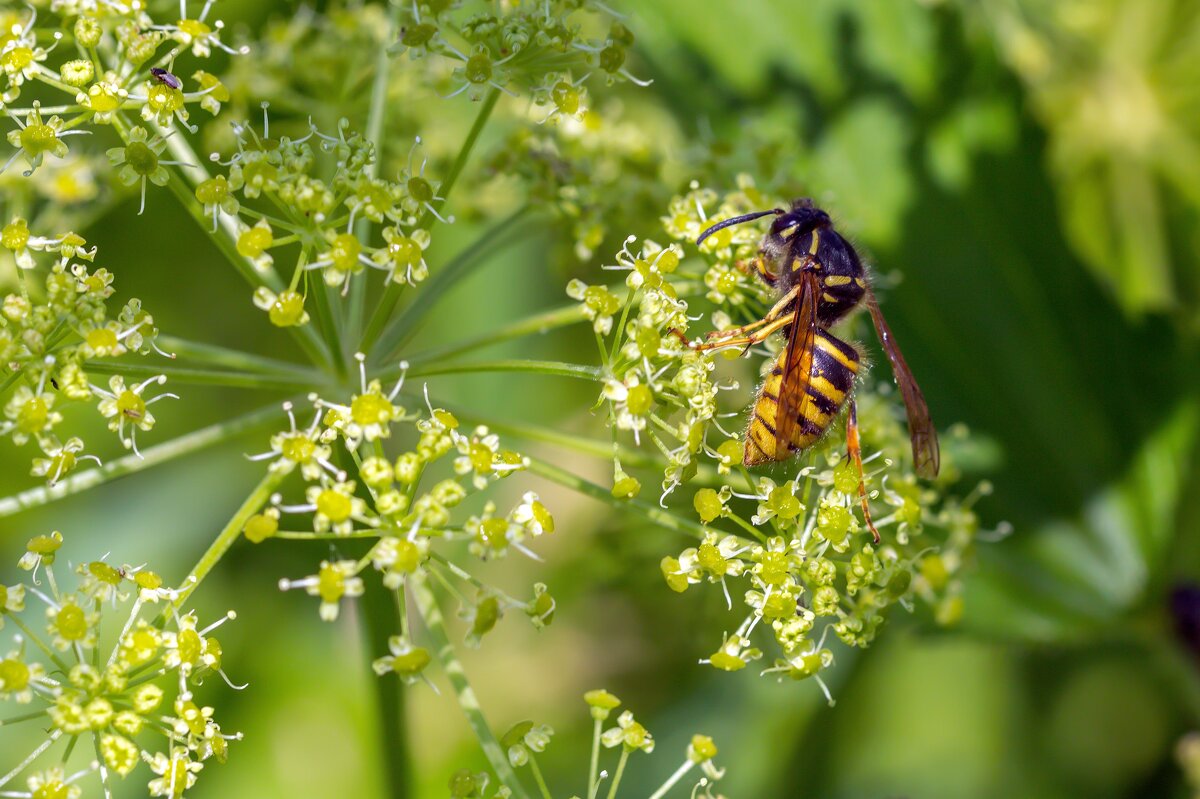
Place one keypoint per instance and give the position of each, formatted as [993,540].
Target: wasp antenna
[737,220]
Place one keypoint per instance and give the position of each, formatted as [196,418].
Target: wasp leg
[679,334]
[854,450]
[747,341]
[759,269]
[771,316]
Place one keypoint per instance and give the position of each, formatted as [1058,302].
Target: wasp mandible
[820,280]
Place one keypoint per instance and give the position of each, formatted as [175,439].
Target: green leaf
[977,125]
[860,166]
[898,41]
[1071,578]
[743,48]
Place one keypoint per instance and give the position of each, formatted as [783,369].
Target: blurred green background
[1025,175]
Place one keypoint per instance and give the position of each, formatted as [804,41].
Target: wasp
[820,280]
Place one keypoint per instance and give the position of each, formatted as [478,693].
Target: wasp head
[803,217]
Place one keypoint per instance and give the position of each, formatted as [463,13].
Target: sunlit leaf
[860,166]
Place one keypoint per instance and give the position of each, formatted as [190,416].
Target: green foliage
[1114,84]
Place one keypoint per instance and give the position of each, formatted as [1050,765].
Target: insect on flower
[821,280]
[166,78]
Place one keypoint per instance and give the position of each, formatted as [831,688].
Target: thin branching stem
[326,318]
[435,625]
[554,368]
[226,538]
[391,294]
[536,324]
[227,235]
[616,783]
[673,779]
[205,377]
[492,241]
[151,456]
[213,355]
[652,512]
[376,119]
[538,778]
[594,768]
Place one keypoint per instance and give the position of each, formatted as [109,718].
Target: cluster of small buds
[655,386]
[51,332]
[795,552]
[730,287]
[111,62]
[390,498]
[521,49]
[313,189]
[599,171]
[525,740]
[134,706]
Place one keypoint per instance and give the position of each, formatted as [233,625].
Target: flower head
[92,692]
[36,138]
[127,408]
[334,581]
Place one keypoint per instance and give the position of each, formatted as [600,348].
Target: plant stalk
[435,625]
[225,539]
[130,464]
[391,294]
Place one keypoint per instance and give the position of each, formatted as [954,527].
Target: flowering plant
[344,220]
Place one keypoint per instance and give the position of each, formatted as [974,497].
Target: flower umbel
[119,703]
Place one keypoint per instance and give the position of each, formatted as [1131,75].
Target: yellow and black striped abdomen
[834,365]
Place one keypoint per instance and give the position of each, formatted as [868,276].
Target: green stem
[538,778]
[39,643]
[298,535]
[8,381]
[381,620]
[68,749]
[203,377]
[619,334]
[436,627]
[464,153]
[612,790]
[594,771]
[224,540]
[651,512]
[34,755]
[673,779]
[555,368]
[213,355]
[376,116]
[129,464]
[326,319]
[104,781]
[8,722]
[50,79]
[392,293]
[487,245]
[534,325]
[745,525]
[549,435]
[467,577]
[227,236]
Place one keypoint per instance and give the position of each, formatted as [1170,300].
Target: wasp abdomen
[833,367]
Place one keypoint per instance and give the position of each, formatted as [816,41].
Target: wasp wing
[926,457]
[797,367]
